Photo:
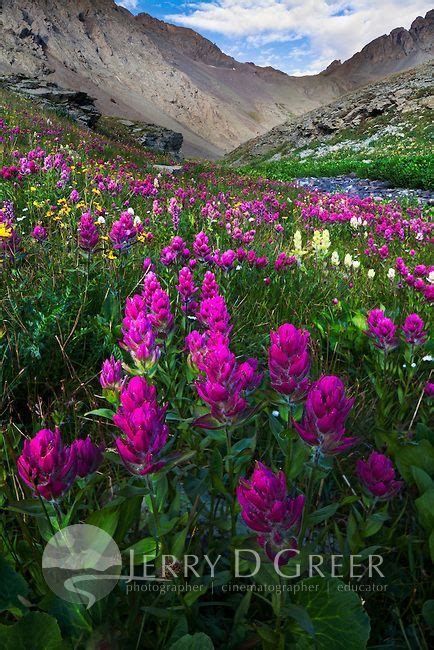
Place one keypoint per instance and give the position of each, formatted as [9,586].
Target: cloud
[333,29]
[128,4]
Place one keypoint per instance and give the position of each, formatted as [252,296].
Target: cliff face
[142,69]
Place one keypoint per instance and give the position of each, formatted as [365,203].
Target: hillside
[363,124]
[140,68]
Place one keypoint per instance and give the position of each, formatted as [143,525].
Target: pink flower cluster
[378,476]
[141,421]
[383,330]
[50,468]
[267,509]
[415,279]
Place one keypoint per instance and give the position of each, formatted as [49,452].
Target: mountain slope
[140,68]
[367,122]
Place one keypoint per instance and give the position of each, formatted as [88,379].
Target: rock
[353,186]
[81,108]
[169,169]
[428,102]
[156,138]
[77,104]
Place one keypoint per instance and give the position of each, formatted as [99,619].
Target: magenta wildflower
[111,376]
[148,265]
[325,413]
[46,465]
[198,345]
[377,474]
[268,510]
[382,330]
[150,286]
[201,247]
[138,337]
[213,315]
[187,289]
[89,456]
[88,235]
[175,212]
[225,383]
[227,259]
[413,330]
[210,288]
[429,389]
[142,422]
[123,231]
[39,233]
[289,361]
[160,315]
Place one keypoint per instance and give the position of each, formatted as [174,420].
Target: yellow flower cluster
[5,232]
[321,241]
[298,250]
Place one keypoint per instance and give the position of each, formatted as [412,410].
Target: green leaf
[36,631]
[338,618]
[323,513]
[422,480]
[298,455]
[32,507]
[428,612]
[420,455]
[179,543]
[192,596]
[431,546]
[106,519]
[12,586]
[180,630]
[216,465]
[246,444]
[146,546]
[128,514]
[374,523]
[300,615]
[242,608]
[70,617]
[102,413]
[425,508]
[199,641]
[359,320]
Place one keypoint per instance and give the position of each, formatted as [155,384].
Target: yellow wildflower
[5,232]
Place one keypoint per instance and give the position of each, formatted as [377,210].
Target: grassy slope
[394,147]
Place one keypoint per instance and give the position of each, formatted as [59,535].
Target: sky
[296,36]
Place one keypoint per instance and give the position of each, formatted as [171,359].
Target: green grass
[400,171]
[393,147]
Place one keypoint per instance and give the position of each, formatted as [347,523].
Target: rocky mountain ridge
[141,69]
[398,51]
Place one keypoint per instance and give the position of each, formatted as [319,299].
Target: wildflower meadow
[229,376]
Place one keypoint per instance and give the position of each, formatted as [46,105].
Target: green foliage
[401,171]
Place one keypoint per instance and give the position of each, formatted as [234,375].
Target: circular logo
[81,564]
